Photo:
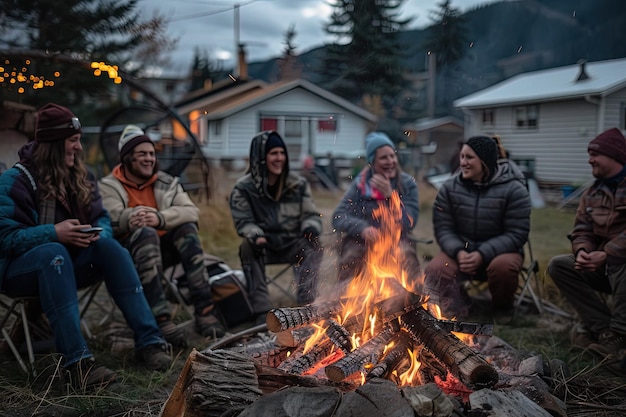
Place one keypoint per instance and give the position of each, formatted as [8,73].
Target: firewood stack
[401,320]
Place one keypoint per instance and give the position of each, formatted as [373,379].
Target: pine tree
[288,68]
[448,34]
[447,40]
[364,62]
[110,31]
[204,70]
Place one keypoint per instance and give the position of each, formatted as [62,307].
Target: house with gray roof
[546,118]
[311,120]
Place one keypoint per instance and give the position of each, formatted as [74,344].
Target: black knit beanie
[487,150]
[274,141]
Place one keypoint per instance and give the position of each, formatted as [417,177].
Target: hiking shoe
[609,344]
[210,325]
[173,334]
[156,357]
[88,375]
[581,337]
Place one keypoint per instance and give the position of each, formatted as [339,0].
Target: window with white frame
[526,117]
[293,128]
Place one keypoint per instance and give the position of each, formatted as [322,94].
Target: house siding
[614,114]
[558,145]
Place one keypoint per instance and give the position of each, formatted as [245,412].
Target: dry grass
[142,393]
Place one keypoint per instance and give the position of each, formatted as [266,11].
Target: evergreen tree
[204,70]
[364,62]
[447,39]
[448,35]
[288,68]
[110,31]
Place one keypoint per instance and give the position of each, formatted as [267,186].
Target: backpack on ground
[228,287]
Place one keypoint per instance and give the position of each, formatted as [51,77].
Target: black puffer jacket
[493,218]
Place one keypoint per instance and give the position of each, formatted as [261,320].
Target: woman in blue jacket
[46,200]
[372,188]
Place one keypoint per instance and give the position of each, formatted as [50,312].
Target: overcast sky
[210,25]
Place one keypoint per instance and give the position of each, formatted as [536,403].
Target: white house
[311,120]
[548,117]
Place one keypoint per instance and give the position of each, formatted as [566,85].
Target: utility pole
[236,28]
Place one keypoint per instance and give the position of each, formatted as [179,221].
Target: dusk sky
[210,25]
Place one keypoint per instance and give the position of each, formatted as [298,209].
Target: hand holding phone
[91,230]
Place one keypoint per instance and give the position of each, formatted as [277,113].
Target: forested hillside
[504,39]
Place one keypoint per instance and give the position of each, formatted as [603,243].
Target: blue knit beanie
[375,140]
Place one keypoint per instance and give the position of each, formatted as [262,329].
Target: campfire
[380,327]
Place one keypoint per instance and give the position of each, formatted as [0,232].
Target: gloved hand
[259,244]
[310,233]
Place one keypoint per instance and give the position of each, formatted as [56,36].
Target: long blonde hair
[56,180]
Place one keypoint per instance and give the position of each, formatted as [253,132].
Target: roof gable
[604,77]
[234,103]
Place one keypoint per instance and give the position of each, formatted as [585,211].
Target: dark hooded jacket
[492,218]
[22,226]
[279,219]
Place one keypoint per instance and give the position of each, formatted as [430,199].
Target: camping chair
[529,286]
[278,268]
[15,319]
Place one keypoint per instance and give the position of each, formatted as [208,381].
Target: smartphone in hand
[91,230]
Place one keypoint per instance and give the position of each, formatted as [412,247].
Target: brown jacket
[601,220]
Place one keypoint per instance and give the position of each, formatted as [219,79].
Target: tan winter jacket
[174,205]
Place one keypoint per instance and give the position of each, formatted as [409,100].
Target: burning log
[399,352]
[294,337]
[370,352]
[281,319]
[299,365]
[462,361]
[479,329]
[339,335]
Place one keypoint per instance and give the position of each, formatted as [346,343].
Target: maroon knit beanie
[610,143]
[55,122]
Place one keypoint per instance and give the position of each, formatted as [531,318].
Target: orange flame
[381,279]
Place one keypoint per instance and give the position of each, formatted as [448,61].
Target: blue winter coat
[20,230]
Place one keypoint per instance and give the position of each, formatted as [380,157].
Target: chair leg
[273,278]
[17,309]
[529,278]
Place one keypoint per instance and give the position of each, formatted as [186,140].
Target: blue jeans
[54,272]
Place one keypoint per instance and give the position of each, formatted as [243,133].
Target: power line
[198,15]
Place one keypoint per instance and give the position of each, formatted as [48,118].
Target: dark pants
[53,273]
[306,256]
[581,290]
[443,278]
[153,253]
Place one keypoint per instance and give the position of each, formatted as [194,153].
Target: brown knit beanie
[55,122]
[610,143]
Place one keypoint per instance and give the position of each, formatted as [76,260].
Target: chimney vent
[582,73]
[242,64]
